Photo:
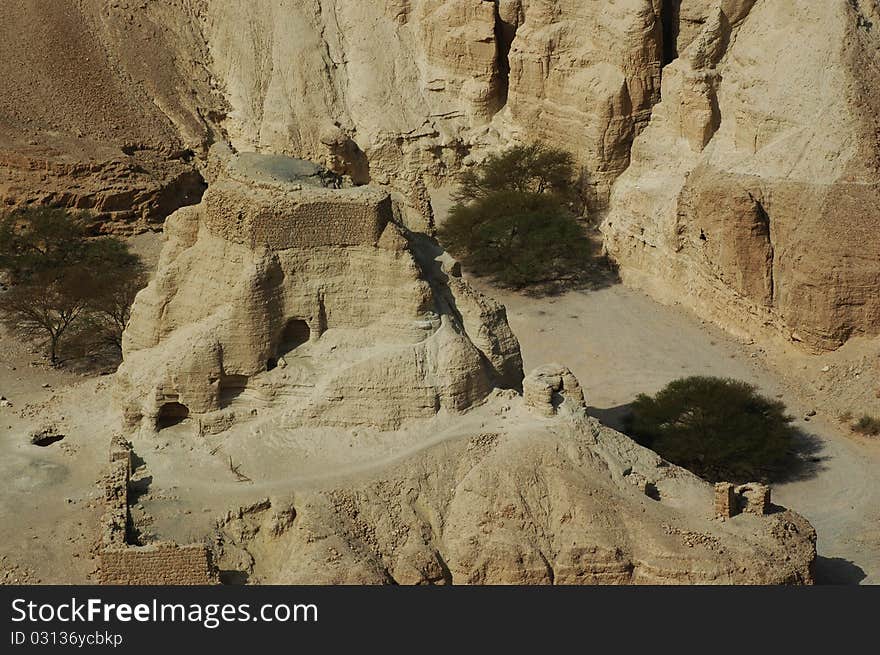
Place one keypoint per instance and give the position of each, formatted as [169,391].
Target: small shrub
[720,429]
[867,425]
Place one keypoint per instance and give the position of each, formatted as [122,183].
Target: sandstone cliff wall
[748,193]
[751,193]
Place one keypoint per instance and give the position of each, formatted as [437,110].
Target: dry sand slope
[619,343]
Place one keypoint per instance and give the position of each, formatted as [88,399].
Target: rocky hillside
[731,145]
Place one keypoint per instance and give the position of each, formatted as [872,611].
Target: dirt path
[620,343]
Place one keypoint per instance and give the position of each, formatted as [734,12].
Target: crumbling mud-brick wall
[552,388]
[282,218]
[157,564]
[725,500]
[754,498]
[163,563]
[751,498]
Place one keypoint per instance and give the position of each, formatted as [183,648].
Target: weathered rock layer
[308,297]
[552,500]
[749,192]
[751,196]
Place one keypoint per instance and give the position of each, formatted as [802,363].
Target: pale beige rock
[276,265]
[749,194]
[583,77]
[520,502]
[765,143]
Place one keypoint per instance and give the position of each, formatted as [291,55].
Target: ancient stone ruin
[751,498]
[293,314]
[289,288]
[124,563]
[553,388]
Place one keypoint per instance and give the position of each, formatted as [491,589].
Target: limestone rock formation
[751,196]
[286,289]
[583,77]
[527,500]
[90,122]
[391,92]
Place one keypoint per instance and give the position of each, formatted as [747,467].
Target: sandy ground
[51,504]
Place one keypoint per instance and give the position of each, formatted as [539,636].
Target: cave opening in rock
[670,17]
[295,334]
[171,414]
[505,33]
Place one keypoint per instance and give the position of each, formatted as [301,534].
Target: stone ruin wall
[157,564]
[165,563]
[309,218]
[751,498]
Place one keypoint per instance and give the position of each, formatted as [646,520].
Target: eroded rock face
[416,86]
[393,92]
[526,501]
[93,115]
[282,288]
[751,196]
[583,77]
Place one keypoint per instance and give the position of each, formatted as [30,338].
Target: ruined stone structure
[751,498]
[283,288]
[553,388]
[122,563]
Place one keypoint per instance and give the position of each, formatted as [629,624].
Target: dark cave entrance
[505,33]
[295,334]
[670,17]
[171,414]
[44,440]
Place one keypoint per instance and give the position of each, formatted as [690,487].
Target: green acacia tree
[64,282]
[514,219]
[721,429]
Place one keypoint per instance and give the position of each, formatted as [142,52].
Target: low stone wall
[157,564]
[163,563]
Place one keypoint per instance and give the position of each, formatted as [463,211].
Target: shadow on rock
[613,417]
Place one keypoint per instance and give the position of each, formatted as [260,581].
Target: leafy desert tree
[112,308]
[514,219]
[64,281]
[517,238]
[37,240]
[528,169]
[721,429]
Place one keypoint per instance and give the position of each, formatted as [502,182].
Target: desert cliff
[745,131]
